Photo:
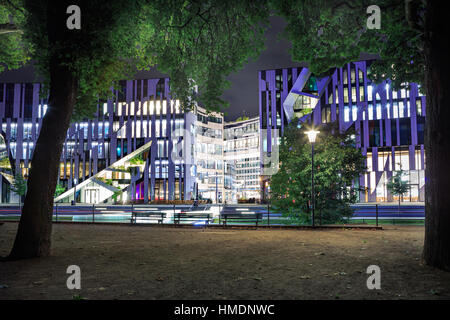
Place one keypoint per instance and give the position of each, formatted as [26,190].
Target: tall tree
[337,165]
[413,46]
[196,42]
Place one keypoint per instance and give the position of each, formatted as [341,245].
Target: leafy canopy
[331,33]
[197,43]
[13,52]
[337,164]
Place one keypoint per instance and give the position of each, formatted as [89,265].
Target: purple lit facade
[142,111]
[389,125]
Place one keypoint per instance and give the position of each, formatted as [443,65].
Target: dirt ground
[134,262]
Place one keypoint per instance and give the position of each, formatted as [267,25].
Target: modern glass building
[138,146]
[241,143]
[389,124]
[209,155]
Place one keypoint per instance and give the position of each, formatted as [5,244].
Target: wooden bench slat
[254,217]
[178,217]
[160,216]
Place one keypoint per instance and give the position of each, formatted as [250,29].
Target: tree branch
[9,28]
[9,3]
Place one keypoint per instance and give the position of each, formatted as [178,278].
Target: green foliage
[243,118]
[138,160]
[331,33]
[108,181]
[396,185]
[59,189]
[5,164]
[197,43]
[19,185]
[13,52]
[116,195]
[337,164]
[99,54]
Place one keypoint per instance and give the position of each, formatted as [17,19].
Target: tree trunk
[437,141]
[33,237]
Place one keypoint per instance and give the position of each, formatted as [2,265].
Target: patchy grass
[142,262]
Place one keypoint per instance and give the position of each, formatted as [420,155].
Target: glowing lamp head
[312,135]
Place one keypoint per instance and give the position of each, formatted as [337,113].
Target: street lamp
[268,203]
[312,134]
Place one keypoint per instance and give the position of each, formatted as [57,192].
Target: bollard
[132,213]
[56,212]
[376,212]
[268,213]
[93,213]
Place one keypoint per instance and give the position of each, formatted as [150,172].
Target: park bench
[191,217]
[147,215]
[241,218]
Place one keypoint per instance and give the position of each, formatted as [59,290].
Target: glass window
[394,94]
[374,133]
[384,163]
[354,113]
[395,110]
[346,113]
[378,111]
[402,160]
[419,106]
[353,94]
[405,131]
[370,111]
[353,75]
[401,109]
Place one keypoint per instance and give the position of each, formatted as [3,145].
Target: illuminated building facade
[134,148]
[209,155]
[242,158]
[389,124]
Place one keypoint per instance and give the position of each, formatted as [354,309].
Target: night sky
[243,93]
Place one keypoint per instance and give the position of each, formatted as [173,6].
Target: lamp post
[268,203]
[312,134]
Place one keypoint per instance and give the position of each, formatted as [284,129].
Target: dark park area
[225,150]
[153,262]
